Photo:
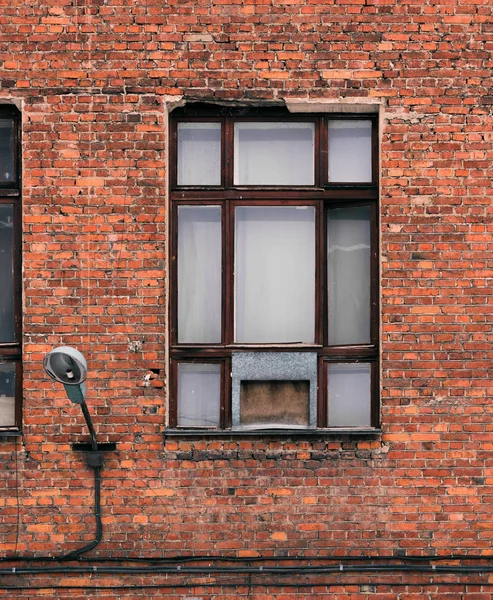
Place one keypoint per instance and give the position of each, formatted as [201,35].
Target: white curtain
[199,394]
[349,394]
[7,333]
[274,154]
[7,395]
[199,274]
[6,150]
[350,151]
[275,274]
[199,154]
[348,231]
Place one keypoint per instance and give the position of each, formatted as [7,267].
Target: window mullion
[227,153]
[323,155]
[225,393]
[322,397]
[173,395]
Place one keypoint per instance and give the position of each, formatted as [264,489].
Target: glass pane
[7,395]
[274,154]
[199,394]
[7,332]
[199,153]
[199,274]
[275,274]
[349,151]
[349,394]
[348,232]
[275,403]
[7,150]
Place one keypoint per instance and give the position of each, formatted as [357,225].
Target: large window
[10,286]
[274,234]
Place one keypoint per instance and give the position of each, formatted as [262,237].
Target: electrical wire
[99,525]
[239,584]
[265,558]
[244,570]
[18,516]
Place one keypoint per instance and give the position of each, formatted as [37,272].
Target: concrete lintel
[334,105]
[172,102]
[17,102]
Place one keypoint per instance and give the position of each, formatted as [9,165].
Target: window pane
[199,394]
[6,150]
[349,151]
[275,403]
[199,274]
[348,231]
[349,394]
[275,274]
[7,395]
[7,330]
[274,154]
[199,153]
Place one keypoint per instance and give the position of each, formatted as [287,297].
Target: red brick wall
[95,78]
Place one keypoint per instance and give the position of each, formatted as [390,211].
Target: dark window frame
[323,195]
[10,194]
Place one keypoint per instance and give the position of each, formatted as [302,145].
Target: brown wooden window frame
[10,194]
[324,196]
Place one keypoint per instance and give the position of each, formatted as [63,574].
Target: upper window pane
[199,153]
[350,151]
[275,274]
[199,274]
[7,322]
[274,154]
[6,150]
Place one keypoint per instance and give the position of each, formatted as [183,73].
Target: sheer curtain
[349,151]
[199,394]
[274,154]
[199,153]
[7,395]
[349,394]
[275,274]
[7,332]
[348,231]
[199,274]
[6,150]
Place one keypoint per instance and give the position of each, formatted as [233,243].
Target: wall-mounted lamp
[69,367]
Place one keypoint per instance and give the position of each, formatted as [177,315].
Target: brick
[93,82]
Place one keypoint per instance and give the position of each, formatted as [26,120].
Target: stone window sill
[367,432]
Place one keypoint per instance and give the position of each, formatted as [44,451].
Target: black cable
[97,514]
[237,584]
[97,501]
[278,570]
[18,518]
[265,558]
[90,426]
